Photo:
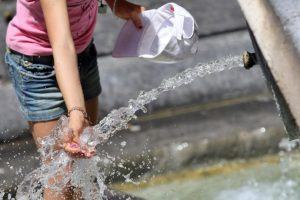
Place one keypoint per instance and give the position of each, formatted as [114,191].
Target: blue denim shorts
[36,85]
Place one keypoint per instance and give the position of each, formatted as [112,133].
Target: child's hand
[129,11]
[72,145]
[79,151]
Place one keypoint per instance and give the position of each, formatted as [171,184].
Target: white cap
[169,34]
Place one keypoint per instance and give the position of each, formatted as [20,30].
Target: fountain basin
[271,177]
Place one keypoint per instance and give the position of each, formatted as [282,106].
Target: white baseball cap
[169,34]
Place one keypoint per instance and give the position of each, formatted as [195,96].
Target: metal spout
[249,59]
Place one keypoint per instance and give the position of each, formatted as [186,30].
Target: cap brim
[129,36]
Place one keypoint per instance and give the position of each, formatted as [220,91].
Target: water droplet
[123,144]
[182,146]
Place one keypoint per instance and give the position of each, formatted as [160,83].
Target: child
[53,64]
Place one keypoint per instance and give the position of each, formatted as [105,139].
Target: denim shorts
[36,85]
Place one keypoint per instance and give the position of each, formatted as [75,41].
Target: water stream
[86,173]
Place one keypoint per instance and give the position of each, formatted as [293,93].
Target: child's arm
[65,60]
[126,10]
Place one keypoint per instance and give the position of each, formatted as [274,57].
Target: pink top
[27,32]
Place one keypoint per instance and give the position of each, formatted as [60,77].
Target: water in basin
[271,177]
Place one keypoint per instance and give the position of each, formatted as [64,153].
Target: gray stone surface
[289,15]
[242,130]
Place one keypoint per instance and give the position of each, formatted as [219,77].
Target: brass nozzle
[249,59]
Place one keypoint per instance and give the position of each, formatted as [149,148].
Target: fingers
[71,141]
[75,150]
[136,18]
[88,152]
[72,148]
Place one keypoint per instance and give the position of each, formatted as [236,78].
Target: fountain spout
[274,30]
[249,59]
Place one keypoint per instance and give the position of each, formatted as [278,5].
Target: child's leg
[40,130]
[91,106]
[43,129]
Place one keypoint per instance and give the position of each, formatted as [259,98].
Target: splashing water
[85,173]
[1,194]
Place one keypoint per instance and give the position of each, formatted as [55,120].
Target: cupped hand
[129,11]
[77,123]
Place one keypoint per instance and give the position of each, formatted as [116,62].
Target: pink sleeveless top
[27,33]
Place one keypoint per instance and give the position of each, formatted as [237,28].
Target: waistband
[47,60]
